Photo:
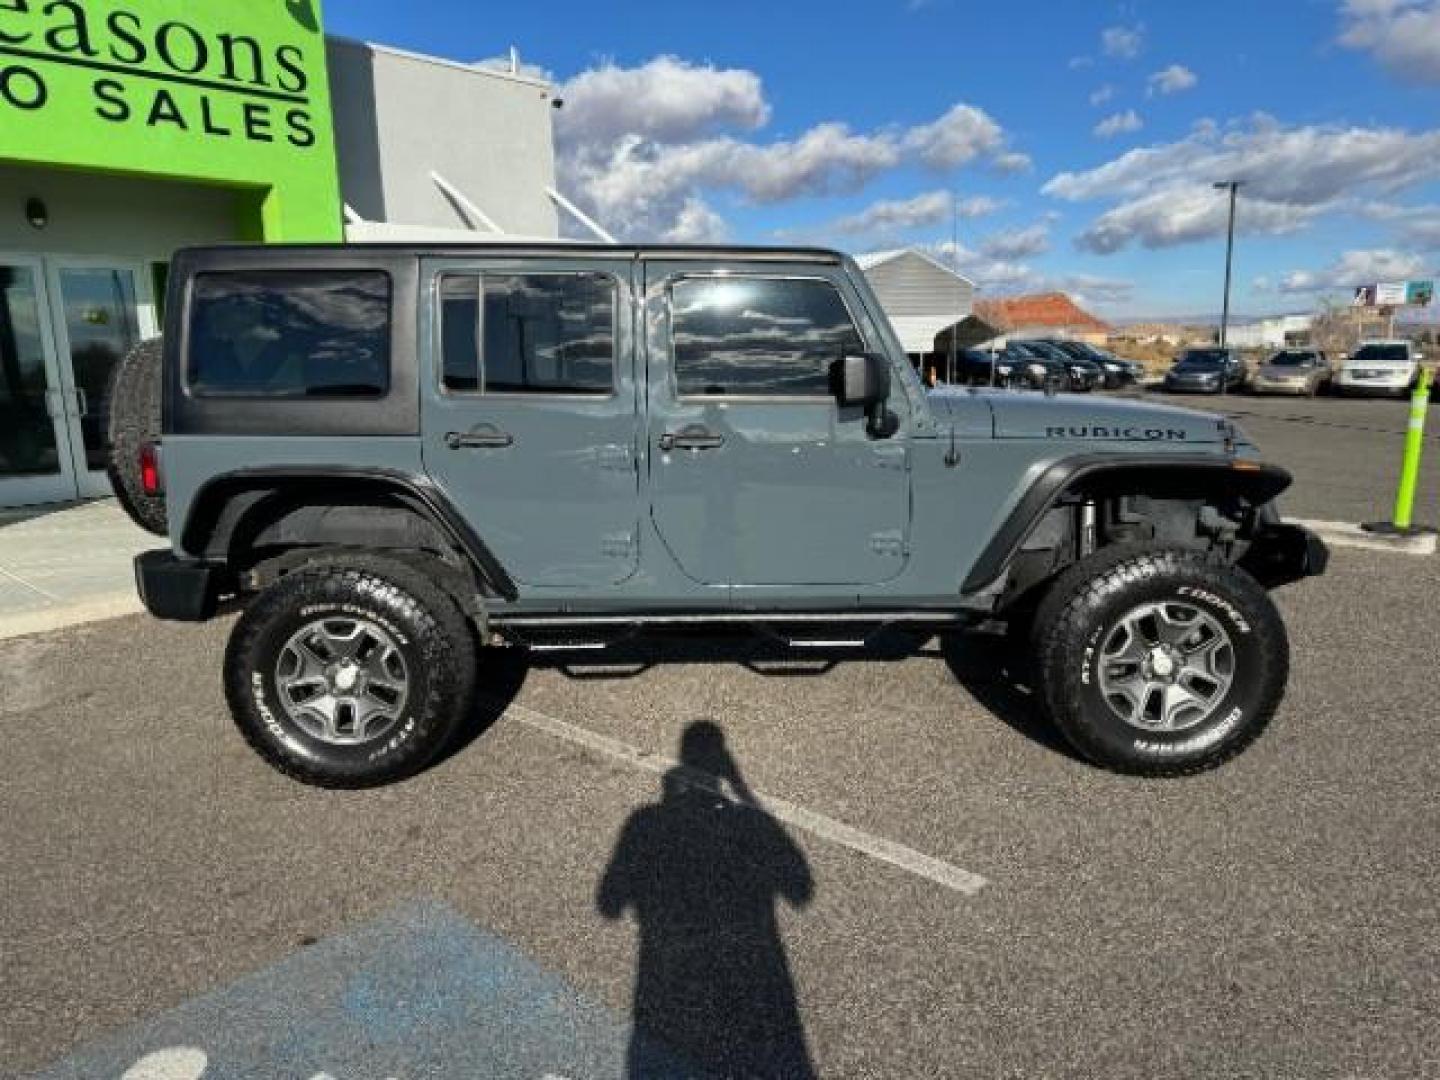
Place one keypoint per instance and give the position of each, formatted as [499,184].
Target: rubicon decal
[1102,431]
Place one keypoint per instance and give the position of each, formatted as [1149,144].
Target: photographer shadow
[703,870]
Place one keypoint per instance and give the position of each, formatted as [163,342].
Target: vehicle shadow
[984,664]
[993,672]
[702,871]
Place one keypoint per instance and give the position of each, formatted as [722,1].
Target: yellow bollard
[1404,520]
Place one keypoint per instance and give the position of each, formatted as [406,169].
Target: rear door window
[290,334]
[528,333]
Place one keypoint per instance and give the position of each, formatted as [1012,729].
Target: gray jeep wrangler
[386,456]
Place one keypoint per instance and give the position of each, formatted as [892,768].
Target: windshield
[1292,359]
[1391,354]
[1203,358]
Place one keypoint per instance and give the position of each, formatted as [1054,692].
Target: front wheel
[351,672]
[1160,662]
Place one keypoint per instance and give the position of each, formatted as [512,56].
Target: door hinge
[618,545]
[892,542]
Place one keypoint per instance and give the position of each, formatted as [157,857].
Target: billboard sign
[1395,294]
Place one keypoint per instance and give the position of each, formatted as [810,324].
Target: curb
[43,621]
[1344,534]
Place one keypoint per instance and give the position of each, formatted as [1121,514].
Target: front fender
[1186,475]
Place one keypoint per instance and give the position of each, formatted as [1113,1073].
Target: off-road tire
[1085,605]
[436,642]
[131,414]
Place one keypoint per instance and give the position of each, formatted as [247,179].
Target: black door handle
[691,437]
[480,439]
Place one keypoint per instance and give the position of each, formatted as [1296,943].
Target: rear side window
[290,334]
[528,333]
[758,337]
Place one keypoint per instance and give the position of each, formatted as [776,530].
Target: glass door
[36,465]
[102,308]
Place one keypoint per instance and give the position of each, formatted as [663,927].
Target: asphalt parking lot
[935,888]
[926,884]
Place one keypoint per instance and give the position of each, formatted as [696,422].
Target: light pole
[1233,187]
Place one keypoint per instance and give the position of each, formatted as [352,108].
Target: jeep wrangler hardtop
[385,456]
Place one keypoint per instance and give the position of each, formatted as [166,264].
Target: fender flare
[417,493]
[1258,483]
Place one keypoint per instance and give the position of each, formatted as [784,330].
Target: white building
[921,295]
[1270,333]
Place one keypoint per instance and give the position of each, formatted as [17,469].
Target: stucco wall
[489,135]
[96,214]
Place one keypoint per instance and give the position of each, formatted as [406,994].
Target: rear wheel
[1160,662]
[351,672]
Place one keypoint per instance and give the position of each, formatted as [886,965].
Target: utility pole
[1233,186]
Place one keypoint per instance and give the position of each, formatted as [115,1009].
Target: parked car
[973,367]
[1379,367]
[1292,371]
[1117,373]
[1206,371]
[1082,376]
[378,504]
[1014,368]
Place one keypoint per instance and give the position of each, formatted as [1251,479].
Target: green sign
[230,92]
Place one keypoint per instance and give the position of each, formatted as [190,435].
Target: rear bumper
[179,590]
[1283,553]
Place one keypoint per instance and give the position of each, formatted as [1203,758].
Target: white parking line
[836,832]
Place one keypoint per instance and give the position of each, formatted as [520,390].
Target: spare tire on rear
[132,419]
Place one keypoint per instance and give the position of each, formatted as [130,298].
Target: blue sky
[1079,139]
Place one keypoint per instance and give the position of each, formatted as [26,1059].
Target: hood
[1087,418]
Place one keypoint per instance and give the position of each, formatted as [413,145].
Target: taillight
[150,480]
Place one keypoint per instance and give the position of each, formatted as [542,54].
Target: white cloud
[696,223]
[1002,276]
[1181,215]
[1174,79]
[642,147]
[1412,226]
[957,138]
[1122,42]
[1102,95]
[929,208]
[1403,35]
[1355,268]
[1012,162]
[1091,289]
[1291,176]
[667,100]
[1017,243]
[1121,123]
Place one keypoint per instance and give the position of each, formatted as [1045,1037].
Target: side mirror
[863,382]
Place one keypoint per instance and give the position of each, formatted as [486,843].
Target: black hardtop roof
[540,249]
